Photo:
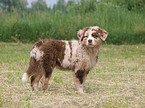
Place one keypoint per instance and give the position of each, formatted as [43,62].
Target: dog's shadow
[56,88]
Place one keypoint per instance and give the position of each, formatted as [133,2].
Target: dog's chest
[77,57]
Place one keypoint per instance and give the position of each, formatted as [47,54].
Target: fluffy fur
[79,56]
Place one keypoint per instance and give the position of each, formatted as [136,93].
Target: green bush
[124,27]
[131,5]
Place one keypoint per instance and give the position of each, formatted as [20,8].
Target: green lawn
[118,80]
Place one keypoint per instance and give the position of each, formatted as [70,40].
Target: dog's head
[92,36]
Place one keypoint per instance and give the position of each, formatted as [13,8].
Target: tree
[39,5]
[70,2]
[13,5]
[60,6]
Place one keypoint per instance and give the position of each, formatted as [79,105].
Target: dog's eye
[94,35]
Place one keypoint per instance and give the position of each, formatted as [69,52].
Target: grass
[117,80]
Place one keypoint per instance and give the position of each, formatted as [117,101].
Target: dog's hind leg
[34,81]
[31,69]
[45,81]
[35,71]
[48,68]
[36,76]
[79,80]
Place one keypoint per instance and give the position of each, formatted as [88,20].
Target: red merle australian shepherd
[79,56]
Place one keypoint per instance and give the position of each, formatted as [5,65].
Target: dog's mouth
[90,45]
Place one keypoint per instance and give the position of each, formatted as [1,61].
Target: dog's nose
[90,40]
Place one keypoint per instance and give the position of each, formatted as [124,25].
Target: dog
[79,56]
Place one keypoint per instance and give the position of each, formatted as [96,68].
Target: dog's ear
[100,32]
[80,34]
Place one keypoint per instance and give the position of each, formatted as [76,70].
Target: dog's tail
[25,77]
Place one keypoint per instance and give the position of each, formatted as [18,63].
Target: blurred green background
[123,19]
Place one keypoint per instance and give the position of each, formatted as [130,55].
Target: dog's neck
[92,50]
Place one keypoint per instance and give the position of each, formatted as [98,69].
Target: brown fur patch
[40,42]
[100,32]
[53,50]
[85,29]
[80,74]
[70,48]
[34,67]
[70,51]
[53,55]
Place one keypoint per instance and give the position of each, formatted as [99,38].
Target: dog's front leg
[79,79]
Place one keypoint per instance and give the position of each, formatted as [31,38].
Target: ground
[117,80]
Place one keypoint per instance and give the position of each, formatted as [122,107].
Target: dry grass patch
[117,80]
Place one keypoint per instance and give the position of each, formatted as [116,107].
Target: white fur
[66,62]
[95,27]
[25,77]
[36,53]
[82,58]
[90,37]
[33,52]
[39,54]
